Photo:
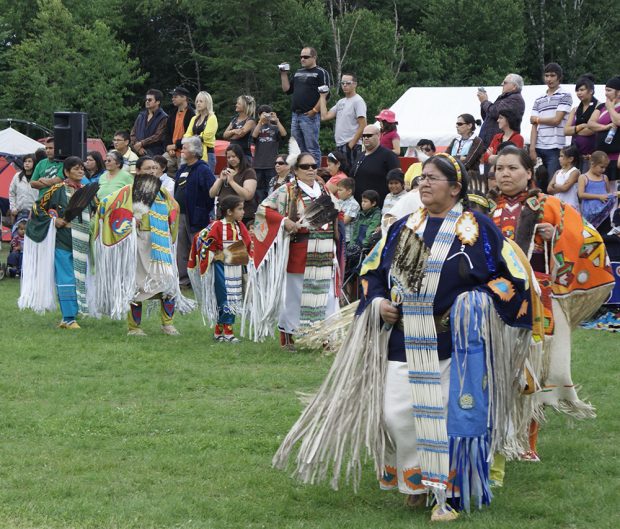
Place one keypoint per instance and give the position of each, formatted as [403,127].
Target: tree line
[100,56]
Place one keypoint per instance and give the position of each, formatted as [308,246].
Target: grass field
[98,430]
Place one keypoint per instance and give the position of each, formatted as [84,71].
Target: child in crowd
[216,265]
[348,205]
[267,134]
[166,181]
[597,199]
[14,260]
[368,221]
[564,182]
[396,185]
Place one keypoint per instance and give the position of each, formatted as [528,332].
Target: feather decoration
[410,260]
[145,189]
[80,200]
[320,211]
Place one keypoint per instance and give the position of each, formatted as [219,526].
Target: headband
[457,167]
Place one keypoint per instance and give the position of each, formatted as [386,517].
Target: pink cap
[386,115]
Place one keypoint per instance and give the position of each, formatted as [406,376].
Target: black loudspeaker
[70,134]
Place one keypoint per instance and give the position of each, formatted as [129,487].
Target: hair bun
[478,122]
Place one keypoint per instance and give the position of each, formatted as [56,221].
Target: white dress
[570,196]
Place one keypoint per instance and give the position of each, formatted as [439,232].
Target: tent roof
[431,112]
[14,142]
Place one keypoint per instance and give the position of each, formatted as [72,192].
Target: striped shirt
[546,106]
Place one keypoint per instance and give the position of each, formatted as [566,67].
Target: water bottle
[610,135]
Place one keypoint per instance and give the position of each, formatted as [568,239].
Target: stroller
[13,266]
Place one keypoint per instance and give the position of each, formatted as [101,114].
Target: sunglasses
[368,135]
[305,56]
[306,166]
[281,163]
[150,99]
[425,149]
[346,83]
[460,123]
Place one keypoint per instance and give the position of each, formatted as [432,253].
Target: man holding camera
[350,115]
[304,86]
[267,136]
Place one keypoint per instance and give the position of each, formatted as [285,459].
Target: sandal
[531,456]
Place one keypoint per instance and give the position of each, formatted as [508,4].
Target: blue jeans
[305,130]
[551,160]
[211,161]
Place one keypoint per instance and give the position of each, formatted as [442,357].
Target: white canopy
[431,112]
[14,142]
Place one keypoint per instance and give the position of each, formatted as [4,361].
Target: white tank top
[570,196]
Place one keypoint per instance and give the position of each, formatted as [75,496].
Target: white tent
[431,112]
[14,142]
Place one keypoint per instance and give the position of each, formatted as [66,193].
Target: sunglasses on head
[306,166]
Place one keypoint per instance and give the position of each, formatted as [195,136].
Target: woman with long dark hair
[94,167]
[21,195]
[469,149]
[577,122]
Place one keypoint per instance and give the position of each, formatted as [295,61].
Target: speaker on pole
[70,134]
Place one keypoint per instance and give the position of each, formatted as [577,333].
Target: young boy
[368,220]
[396,185]
[348,205]
[267,136]
[14,259]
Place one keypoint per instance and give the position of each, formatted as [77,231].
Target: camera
[284,67]
[323,89]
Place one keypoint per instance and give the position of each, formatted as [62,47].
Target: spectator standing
[239,130]
[577,122]
[121,144]
[204,125]
[549,115]
[21,195]
[605,121]
[564,183]
[468,149]
[284,174]
[193,181]
[348,205]
[47,172]
[148,134]
[267,135]
[389,135]
[423,151]
[237,179]
[510,99]
[176,125]
[373,165]
[509,131]
[350,115]
[305,106]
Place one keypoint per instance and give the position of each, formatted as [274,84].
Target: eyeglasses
[305,56]
[150,99]
[307,166]
[426,149]
[346,83]
[460,123]
[280,162]
[368,135]
[430,178]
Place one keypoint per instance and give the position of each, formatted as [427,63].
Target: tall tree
[63,65]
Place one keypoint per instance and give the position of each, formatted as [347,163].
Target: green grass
[98,430]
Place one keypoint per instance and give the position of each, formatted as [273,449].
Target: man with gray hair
[191,190]
[510,99]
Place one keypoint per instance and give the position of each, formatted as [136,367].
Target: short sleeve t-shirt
[46,169]
[347,110]
[386,139]
[249,206]
[546,106]
[304,87]
[267,145]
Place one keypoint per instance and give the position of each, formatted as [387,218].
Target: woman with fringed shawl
[425,379]
[571,265]
[56,250]
[295,274]
[135,230]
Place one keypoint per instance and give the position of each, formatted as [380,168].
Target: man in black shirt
[373,165]
[305,101]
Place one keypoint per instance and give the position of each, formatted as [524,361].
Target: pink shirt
[386,139]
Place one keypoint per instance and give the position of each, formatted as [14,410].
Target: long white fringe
[346,415]
[115,275]
[266,289]
[37,286]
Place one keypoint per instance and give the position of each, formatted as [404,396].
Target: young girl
[597,200]
[564,182]
[215,267]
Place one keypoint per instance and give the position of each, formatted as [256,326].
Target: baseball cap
[180,91]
